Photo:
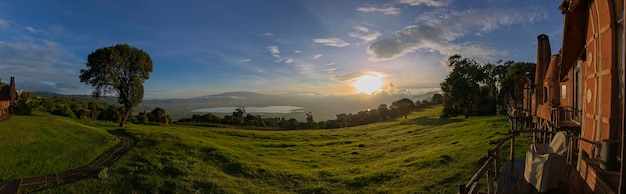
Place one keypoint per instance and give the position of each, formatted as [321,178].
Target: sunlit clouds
[368,84]
[384,10]
[439,32]
[364,34]
[335,42]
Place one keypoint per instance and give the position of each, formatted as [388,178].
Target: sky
[273,46]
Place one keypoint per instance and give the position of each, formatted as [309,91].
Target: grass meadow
[421,154]
[43,144]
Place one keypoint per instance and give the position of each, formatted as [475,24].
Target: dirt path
[31,184]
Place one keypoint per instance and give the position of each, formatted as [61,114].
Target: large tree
[403,106]
[469,83]
[121,70]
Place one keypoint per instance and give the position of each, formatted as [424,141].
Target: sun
[368,84]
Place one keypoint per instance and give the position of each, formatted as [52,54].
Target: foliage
[471,88]
[514,70]
[437,99]
[404,106]
[119,69]
[155,116]
[22,106]
[104,173]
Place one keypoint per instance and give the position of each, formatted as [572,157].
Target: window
[545,95]
[576,93]
[563,91]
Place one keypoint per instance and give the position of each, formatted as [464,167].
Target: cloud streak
[430,3]
[384,10]
[364,34]
[334,42]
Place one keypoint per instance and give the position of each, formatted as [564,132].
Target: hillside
[423,154]
[42,144]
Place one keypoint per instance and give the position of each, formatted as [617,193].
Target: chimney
[12,92]
[543,61]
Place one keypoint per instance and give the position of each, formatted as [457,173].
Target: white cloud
[246,60]
[336,42]
[438,35]
[4,24]
[316,57]
[297,51]
[33,64]
[31,29]
[274,51]
[430,3]
[361,29]
[289,61]
[364,34]
[385,10]
[268,34]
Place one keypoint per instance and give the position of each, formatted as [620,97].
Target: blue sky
[274,46]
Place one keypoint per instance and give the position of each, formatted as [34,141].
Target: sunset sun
[368,84]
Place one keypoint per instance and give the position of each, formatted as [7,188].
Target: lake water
[252,109]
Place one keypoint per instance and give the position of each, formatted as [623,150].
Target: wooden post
[462,189]
[490,178]
[512,155]
[496,164]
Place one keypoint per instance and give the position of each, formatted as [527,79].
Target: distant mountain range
[323,107]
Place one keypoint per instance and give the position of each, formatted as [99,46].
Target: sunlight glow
[368,84]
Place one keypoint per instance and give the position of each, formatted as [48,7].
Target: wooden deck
[511,180]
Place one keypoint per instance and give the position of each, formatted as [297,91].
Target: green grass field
[422,154]
[44,144]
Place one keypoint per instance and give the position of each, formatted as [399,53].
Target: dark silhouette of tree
[437,99]
[513,70]
[310,123]
[403,106]
[239,111]
[383,111]
[418,104]
[159,112]
[119,69]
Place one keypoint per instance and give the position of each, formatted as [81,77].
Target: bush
[104,173]
[22,107]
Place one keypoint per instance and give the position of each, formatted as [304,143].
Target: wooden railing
[492,164]
[490,167]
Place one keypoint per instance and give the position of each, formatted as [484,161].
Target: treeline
[472,88]
[85,108]
[98,109]
[399,108]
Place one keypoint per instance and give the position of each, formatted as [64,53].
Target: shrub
[104,173]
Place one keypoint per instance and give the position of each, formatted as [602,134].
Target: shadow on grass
[429,121]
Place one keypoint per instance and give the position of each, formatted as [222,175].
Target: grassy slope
[423,154]
[44,144]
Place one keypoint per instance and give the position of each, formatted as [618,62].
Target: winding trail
[31,184]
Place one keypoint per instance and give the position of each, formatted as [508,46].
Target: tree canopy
[472,88]
[121,70]
[404,106]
